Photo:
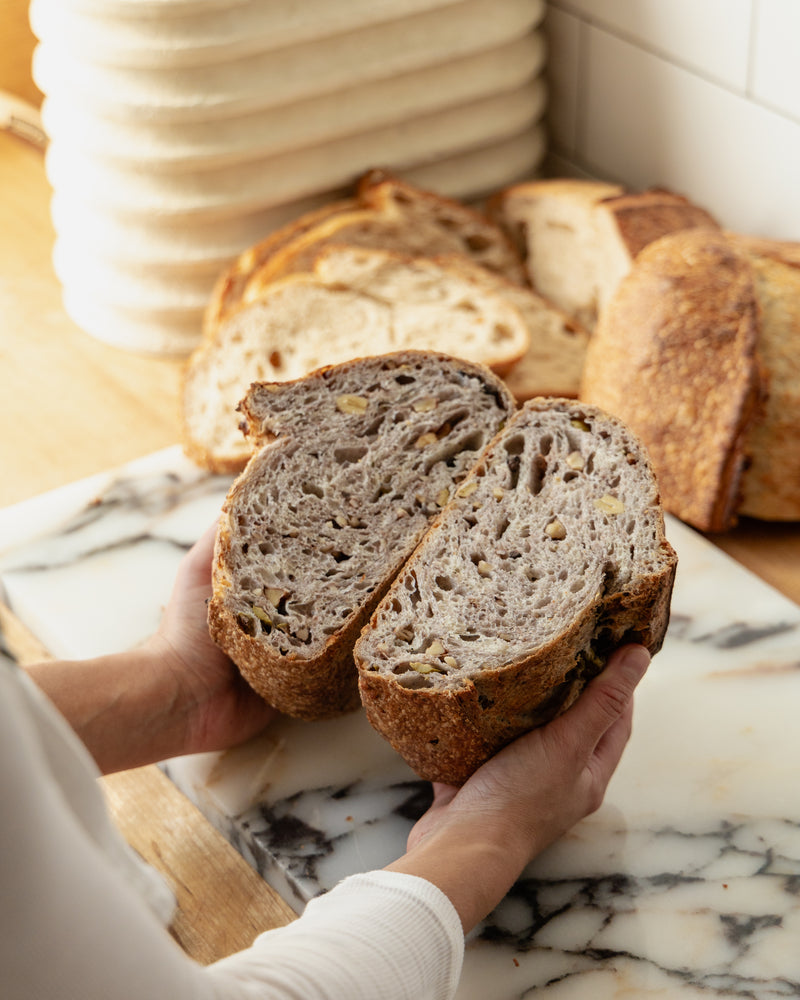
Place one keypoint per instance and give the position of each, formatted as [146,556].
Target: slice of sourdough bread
[580,237]
[551,554]
[553,363]
[357,302]
[386,213]
[356,461]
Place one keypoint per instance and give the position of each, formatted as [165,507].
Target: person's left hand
[219,707]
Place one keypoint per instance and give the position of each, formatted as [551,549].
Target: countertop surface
[72,407]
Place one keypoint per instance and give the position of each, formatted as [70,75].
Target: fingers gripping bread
[357,460]
[550,555]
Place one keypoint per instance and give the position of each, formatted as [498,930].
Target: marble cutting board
[685,884]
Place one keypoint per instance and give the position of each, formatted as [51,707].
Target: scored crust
[675,357]
[519,591]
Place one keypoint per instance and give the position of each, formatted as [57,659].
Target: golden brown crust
[227,292]
[385,191]
[675,357]
[771,482]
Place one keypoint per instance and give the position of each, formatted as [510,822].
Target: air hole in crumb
[515,445]
[404,379]
[537,475]
[477,242]
[443,582]
[345,456]
[311,489]
[501,332]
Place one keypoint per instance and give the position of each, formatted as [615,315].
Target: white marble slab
[685,884]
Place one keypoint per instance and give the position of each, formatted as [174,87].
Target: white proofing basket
[183,131]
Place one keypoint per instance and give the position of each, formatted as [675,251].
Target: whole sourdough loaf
[550,555]
[580,237]
[356,302]
[356,461]
[699,353]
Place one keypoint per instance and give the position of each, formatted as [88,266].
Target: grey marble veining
[685,884]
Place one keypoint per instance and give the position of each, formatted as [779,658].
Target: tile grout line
[745,93]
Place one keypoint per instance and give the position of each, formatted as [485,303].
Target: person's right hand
[474,841]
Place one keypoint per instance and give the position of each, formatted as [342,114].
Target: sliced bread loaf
[356,461]
[357,302]
[579,237]
[551,554]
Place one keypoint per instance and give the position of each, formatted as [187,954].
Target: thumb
[606,699]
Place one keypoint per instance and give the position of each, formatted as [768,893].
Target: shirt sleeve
[75,923]
[380,936]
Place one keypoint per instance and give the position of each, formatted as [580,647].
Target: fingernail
[635,659]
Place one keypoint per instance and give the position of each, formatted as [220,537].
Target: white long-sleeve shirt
[82,917]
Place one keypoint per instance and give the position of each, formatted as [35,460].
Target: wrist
[473,860]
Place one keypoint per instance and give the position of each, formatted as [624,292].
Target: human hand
[219,707]
[474,841]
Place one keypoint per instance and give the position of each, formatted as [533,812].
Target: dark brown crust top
[675,357]
[644,217]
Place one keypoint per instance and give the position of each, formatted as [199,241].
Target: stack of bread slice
[182,132]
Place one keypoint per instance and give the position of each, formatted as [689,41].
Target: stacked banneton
[182,131]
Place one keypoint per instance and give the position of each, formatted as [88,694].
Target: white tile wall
[702,96]
[776,55]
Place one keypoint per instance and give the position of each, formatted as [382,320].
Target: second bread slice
[551,554]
